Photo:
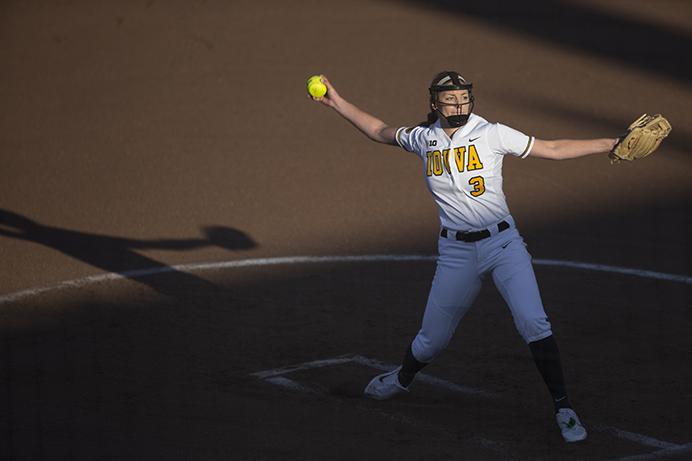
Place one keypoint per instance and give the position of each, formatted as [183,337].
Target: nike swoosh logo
[505,245]
[473,139]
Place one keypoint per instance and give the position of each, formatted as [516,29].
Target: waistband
[475,236]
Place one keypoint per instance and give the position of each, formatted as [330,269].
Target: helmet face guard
[448,81]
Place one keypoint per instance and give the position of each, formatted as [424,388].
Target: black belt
[478,235]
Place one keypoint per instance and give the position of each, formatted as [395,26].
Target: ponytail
[432,118]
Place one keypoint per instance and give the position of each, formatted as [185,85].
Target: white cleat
[570,426]
[384,386]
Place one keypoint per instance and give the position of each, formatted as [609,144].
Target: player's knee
[534,328]
[426,348]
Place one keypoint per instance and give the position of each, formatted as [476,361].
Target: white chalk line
[454,387]
[372,363]
[275,376]
[666,452]
[667,447]
[615,270]
[639,438]
[302,366]
[290,384]
[134,274]
[198,267]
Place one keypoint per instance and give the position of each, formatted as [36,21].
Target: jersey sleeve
[410,138]
[504,140]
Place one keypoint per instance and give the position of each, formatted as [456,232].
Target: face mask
[456,120]
[453,121]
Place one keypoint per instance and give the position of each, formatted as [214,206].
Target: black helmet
[446,81]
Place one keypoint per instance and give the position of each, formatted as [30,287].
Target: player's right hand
[332,95]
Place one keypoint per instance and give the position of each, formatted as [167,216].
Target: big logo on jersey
[464,159]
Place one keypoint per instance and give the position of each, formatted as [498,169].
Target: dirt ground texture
[149,136]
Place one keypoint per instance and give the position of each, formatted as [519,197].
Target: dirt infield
[159,141]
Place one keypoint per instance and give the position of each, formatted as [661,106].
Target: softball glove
[642,138]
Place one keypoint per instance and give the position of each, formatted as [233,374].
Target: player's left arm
[563,149]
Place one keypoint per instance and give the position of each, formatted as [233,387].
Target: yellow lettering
[428,164]
[445,158]
[459,157]
[437,163]
[473,163]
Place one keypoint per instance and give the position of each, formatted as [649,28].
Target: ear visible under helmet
[450,80]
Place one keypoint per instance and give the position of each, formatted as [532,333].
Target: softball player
[462,156]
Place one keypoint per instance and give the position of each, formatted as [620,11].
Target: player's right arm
[369,125]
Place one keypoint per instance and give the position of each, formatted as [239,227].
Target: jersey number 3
[478,185]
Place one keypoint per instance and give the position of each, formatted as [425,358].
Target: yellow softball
[316,88]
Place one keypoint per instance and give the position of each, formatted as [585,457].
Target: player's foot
[570,426]
[384,386]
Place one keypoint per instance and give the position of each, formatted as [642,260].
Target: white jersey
[464,172]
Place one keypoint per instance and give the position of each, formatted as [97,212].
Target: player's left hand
[643,137]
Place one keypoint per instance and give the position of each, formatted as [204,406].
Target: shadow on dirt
[119,255]
[630,41]
[134,378]
[679,139]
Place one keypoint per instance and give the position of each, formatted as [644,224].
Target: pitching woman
[461,157]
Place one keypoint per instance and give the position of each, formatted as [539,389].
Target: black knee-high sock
[547,358]
[409,367]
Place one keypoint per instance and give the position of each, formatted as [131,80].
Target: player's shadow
[119,255]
